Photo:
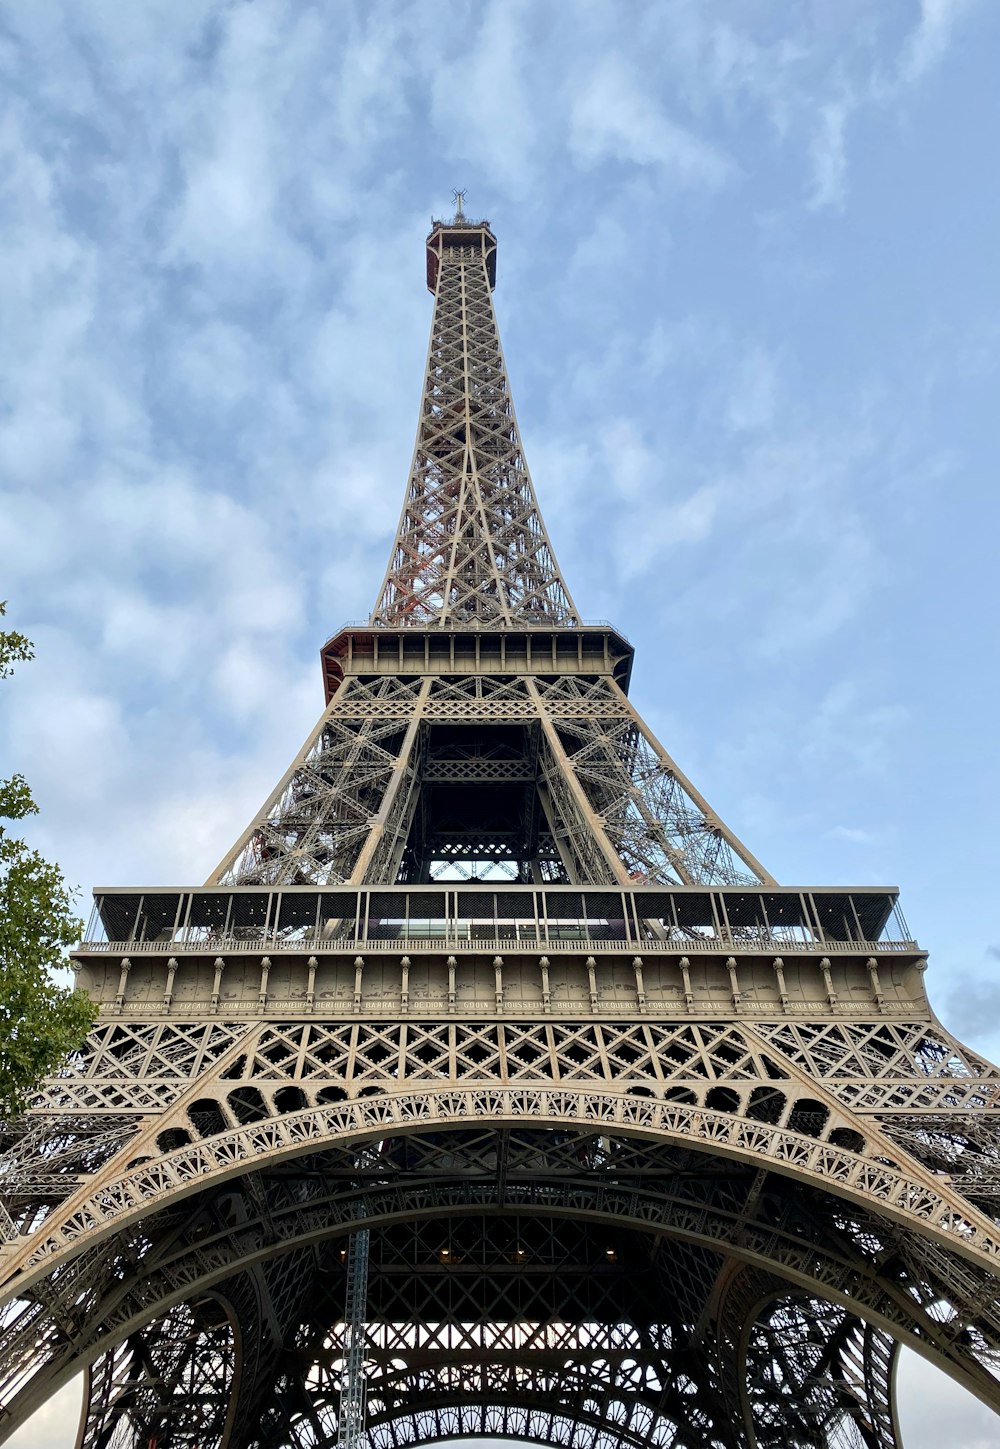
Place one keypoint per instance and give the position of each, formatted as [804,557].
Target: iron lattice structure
[636,1146]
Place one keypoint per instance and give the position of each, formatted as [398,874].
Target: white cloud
[875,87]
[748,506]
[214,324]
[603,246]
[848,731]
[54,1426]
[852,834]
[934,1411]
[613,118]
[486,109]
[829,154]
[934,33]
[200,374]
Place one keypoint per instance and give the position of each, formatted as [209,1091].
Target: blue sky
[747,288]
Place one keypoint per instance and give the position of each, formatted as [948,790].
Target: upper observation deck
[460,235]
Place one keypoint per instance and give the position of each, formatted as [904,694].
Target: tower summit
[490,1085]
[471,548]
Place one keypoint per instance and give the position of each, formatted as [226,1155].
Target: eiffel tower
[491,1086]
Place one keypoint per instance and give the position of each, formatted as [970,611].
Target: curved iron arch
[204,1262]
[911,1195]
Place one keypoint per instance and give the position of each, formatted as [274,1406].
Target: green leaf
[41,1021]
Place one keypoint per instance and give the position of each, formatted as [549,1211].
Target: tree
[41,1022]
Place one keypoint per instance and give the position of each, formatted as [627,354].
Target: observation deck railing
[501,945]
[499,918]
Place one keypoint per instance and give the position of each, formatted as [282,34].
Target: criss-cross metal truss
[564,780]
[635,1146]
[351,1415]
[471,547]
[475,720]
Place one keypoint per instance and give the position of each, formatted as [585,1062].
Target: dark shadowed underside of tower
[491,1086]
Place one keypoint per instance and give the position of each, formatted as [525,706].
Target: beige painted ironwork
[648,1149]
[471,547]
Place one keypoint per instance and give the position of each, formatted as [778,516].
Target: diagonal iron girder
[632,1161]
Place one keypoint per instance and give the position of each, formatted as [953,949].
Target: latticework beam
[471,546]
[635,1147]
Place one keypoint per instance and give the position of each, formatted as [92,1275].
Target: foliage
[41,1022]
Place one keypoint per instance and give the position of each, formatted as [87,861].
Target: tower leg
[169,1385]
[802,1371]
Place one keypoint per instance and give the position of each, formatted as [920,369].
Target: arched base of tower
[577,1344]
[575,1287]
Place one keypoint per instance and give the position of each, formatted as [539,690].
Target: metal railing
[676,946]
[543,626]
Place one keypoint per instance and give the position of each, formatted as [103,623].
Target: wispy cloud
[614,118]
[741,343]
[934,1410]
[930,40]
[972,1009]
[828,154]
[207,418]
[852,834]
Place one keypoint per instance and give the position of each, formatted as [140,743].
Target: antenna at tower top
[459,197]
